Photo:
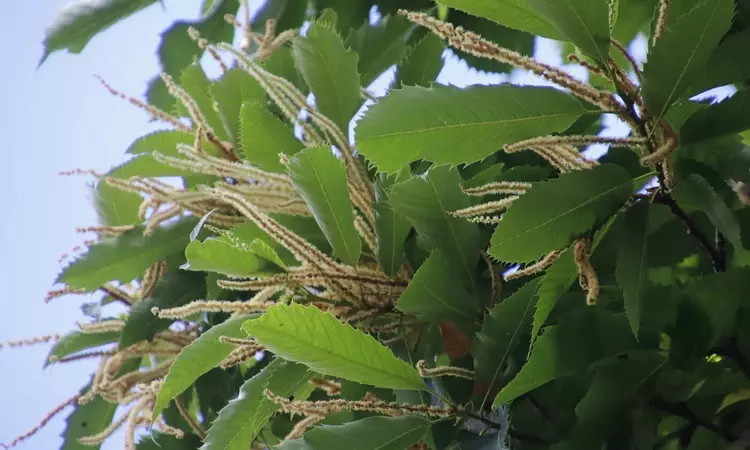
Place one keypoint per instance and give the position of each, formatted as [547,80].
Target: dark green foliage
[456,272]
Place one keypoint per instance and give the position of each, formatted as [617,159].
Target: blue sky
[59,118]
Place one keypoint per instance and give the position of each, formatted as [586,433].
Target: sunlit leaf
[421,64]
[230,92]
[317,339]
[114,206]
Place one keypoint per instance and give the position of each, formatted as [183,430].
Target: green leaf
[632,263]
[125,257]
[76,341]
[371,433]
[727,117]
[517,14]
[145,166]
[426,202]
[163,141]
[173,289]
[696,194]
[200,356]
[611,396]
[436,293]
[682,51]
[263,137]
[234,89]
[331,72]
[221,256]
[320,179]
[241,420]
[718,297]
[422,63]
[317,339]
[574,344]
[557,281]
[116,207]
[416,123]
[728,155]
[379,46]
[575,203]
[391,229]
[195,82]
[726,65]
[504,326]
[583,22]
[177,50]
[79,21]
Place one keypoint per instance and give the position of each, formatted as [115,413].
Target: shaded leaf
[583,22]
[416,123]
[518,14]
[241,420]
[197,358]
[331,72]
[727,117]
[726,65]
[574,344]
[371,433]
[717,298]
[575,203]
[320,179]
[504,326]
[682,51]
[391,228]
[632,262]
[114,206]
[263,137]
[125,257]
[695,193]
[177,50]
[173,289]
[426,202]
[422,63]
[436,293]
[317,339]
[76,341]
[379,46]
[79,21]
[234,89]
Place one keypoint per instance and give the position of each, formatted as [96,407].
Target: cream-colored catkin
[444,371]
[587,277]
[535,268]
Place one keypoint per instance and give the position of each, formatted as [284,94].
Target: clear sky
[59,118]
